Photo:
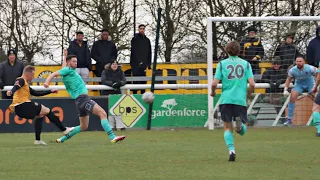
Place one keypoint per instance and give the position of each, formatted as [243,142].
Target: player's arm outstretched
[65,54]
[50,77]
[17,85]
[42,93]
[57,73]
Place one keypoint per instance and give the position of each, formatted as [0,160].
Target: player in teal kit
[234,73]
[76,88]
[316,105]
[304,81]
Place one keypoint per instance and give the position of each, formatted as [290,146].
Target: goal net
[271,45]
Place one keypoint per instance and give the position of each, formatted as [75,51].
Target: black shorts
[230,111]
[317,99]
[84,105]
[28,110]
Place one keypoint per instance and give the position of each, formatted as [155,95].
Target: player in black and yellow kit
[25,108]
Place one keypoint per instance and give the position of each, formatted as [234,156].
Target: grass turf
[271,153]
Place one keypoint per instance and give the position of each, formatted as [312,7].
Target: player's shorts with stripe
[300,88]
[230,111]
[84,105]
[28,110]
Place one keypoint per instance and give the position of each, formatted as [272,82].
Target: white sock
[232,151]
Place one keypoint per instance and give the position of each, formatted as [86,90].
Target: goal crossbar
[266,18]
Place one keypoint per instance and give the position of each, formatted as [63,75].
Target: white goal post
[210,20]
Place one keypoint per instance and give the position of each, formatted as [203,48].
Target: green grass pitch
[263,153]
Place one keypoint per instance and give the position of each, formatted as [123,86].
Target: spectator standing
[103,51]
[113,77]
[313,50]
[80,48]
[252,49]
[140,57]
[10,70]
[275,76]
[287,52]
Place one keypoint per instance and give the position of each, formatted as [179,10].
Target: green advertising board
[189,110]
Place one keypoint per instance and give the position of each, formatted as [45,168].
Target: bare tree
[27,27]
[31,29]
[62,25]
[103,14]
[175,21]
[4,28]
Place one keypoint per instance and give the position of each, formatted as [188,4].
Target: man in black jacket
[252,49]
[313,50]
[275,76]
[287,52]
[80,48]
[10,70]
[140,57]
[113,77]
[103,52]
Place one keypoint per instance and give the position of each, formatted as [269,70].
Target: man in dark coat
[80,48]
[10,70]
[287,52]
[140,57]
[313,50]
[103,51]
[113,77]
[275,76]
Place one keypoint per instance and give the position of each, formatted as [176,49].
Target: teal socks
[291,107]
[316,120]
[228,138]
[75,131]
[105,125]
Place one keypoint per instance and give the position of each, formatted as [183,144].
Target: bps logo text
[129,108]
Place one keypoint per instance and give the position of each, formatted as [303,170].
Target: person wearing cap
[140,57]
[10,70]
[80,48]
[103,51]
[275,76]
[114,77]
[252,49]
[313,50]
[287,51]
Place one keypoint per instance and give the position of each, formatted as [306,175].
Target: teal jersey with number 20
[234,73]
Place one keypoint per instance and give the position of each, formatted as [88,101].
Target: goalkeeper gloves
[286,92]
